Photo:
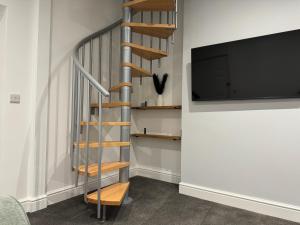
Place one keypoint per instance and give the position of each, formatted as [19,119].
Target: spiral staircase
[91,98]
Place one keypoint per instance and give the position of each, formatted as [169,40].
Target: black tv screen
[266,67]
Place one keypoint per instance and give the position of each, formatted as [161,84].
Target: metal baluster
[80,111]
[87,148]
[167,40]
[91,57]
[173,22]
[176,14]
[142,43]
[100,59]
[99,158]
[78,127]
[104,213]
[121,67]
[82,80]
[74,110]
[151,42]
[91,70]
[110,62]
[159,61]
[100,63]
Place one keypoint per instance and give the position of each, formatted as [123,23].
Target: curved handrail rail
[93,81]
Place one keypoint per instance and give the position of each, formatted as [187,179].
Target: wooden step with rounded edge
[118,87]
[105,144]
[110,195]
[151,5]
[137,71]
[105,168]
[155,30]
[96,123]
[110,105]
[145,52]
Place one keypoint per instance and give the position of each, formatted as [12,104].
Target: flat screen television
[266,67]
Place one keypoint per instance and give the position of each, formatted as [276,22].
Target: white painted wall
[156,155]
[18,77]
[246,149]
[72,20]
[2,64]
[25,71]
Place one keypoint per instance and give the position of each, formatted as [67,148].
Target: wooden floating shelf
[160,136]
[158,107]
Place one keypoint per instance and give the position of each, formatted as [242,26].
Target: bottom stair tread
[110,195]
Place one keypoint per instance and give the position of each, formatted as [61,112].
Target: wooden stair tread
[137,71]
[110,195]
[119,86]
[105,168]
[104,144]
[160,136]
[145,52]
[110,105]
[96,123]
[156,30]
[151,5]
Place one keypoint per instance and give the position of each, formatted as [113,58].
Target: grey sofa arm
[11,212]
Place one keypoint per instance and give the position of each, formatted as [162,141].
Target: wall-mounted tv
[266,67]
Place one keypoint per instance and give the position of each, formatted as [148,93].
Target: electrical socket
[15,98]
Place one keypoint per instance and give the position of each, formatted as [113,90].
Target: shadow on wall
[2,11]
[235,105]
[79,10]
[58,130]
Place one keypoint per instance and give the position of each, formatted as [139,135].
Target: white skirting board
[32,205]
[262,206]
[156,174]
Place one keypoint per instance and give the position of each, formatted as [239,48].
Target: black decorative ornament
[160,84]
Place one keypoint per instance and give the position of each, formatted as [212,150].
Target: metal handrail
[83,71]
[91,79]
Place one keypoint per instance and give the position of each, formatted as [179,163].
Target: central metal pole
[125,95]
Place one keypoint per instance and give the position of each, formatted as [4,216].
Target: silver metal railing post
[100,59]
[78,127]
[73,115]
[110,62]
[151,41]
[87,148]
[99,158]
[142,43]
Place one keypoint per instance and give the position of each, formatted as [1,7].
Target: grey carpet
[154,202]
